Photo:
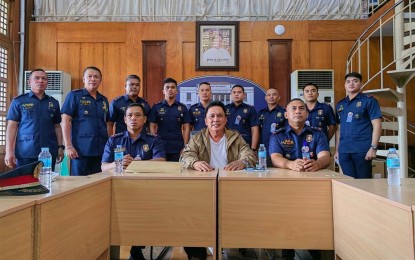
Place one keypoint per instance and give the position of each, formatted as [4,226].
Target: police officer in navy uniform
[320,115]
[197,111]
[119,104]
[359,129]
[84,124]
[33,122]
[271,118]
[300,148]
[138,145]
[170,119]
[243,117]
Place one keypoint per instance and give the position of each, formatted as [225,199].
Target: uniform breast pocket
[160,118]
[29,113]
[86,111]
[179,119]
[358,114]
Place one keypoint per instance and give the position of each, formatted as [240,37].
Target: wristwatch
[61,146]
[374,147]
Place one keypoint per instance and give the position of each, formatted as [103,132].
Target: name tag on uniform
[237,120]
[349,117]
[273,127]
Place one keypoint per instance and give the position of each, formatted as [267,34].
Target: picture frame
[217,45]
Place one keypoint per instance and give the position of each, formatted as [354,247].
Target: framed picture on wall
[217,45]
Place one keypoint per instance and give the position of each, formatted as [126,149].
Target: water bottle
[118,158]
[262,157]
[45,176]
[393,166]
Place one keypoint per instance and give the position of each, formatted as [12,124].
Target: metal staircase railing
[371,55]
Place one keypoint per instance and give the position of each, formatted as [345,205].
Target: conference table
[176,208]
[70,222]
[276,208]
[16,228]
[373,220]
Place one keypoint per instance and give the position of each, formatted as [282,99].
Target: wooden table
[16,228]
[276,209]
[373,220]
[164,209]
[70,222]
[73,223]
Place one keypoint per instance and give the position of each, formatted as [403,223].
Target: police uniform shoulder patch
[51,97]
[118,134]
[118,98]
[180,103]
[280,130]
[22,95]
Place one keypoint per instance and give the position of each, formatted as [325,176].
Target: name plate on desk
[154,166]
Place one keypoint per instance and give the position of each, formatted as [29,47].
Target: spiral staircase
[388,72]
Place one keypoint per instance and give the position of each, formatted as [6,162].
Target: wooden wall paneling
[188,33]
[91,32]
[92,54]
[335,29]
[245,56]
[42,46]
[320,55]
[189,61]
[340,50]
[172,35]
[113,70]
[68,61]
[387,59]
[259,63]
[300,55]
[133,52]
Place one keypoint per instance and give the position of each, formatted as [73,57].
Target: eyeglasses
[134,84]
[212,116]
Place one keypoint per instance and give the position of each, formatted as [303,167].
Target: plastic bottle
[262,157]
[45,176]
[118,159]
[393,167]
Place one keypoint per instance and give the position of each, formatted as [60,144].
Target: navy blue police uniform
[354,117]
[309,143]
[270,121]
[118,107]
[146,147]
[242,118]
[37,119]
[321,117]
[89,129]
[169,120]
[197,116]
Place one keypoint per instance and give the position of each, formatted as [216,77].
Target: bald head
[272,96]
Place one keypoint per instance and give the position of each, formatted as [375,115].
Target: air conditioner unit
[59,84]
[324,79]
